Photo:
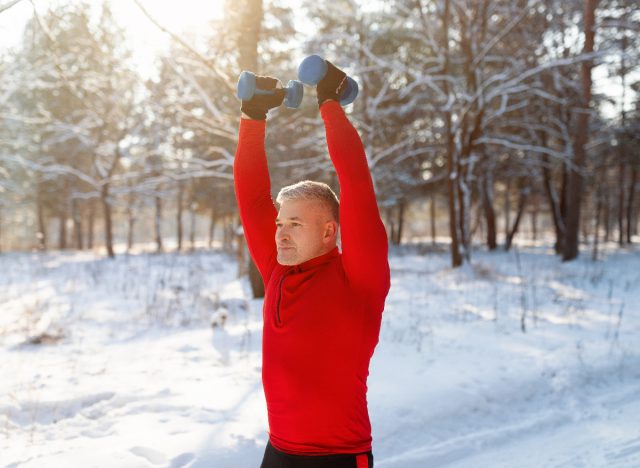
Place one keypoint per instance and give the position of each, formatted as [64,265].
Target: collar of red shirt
[316,261]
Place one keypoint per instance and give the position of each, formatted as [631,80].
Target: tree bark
[452,179]
[192,225]
[575,181]
[596,231]
[607,214]
[621,194]
[400,226]
[522,201]
[157,224]
[91,224]
[534,218]
[179,209]
[131,221]
[507,208]
[41,235]
[77,224]
[391,224]
[108,228]
[251,18]
[433,217]
[257,286]
[62,228]
[630,203]
[212,225]
[489,212]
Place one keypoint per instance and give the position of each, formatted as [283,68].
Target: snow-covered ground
[115,363]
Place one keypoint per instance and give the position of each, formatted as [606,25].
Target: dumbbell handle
[264,91]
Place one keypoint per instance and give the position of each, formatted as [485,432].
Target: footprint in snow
[152,456]
[182,461]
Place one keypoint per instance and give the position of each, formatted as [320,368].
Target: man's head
[307,223]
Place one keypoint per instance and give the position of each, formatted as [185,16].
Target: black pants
[274,458]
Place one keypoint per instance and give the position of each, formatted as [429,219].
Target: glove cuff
[255,112]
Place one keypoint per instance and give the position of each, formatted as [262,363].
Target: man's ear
[330,230]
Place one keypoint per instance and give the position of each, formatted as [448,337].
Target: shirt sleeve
[364,238]
[253,194]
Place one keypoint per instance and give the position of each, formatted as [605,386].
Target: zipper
[295,269]
[278,320]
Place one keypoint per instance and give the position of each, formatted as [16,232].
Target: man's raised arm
[364,239]
[251,176]
[253,193]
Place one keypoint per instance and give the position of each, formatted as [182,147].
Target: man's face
[304,230]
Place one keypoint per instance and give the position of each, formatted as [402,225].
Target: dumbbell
[313,68]
[246,89]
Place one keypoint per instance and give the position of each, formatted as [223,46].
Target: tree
[575,180]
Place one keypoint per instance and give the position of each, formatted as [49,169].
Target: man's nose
[282,234]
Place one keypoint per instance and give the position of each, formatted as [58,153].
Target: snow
[130,372]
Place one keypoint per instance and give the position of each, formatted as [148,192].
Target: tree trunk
[41,235]
[585,224]
[131,221]
[212,225]
[607,214]
[108,228]
[157,224]
[391,224]
[251,12]
[400,210]
[621,194]
[91,224]
[241,249]
[192,225]
[77,224]
[630,202]
[489,212]
[249,39]
[596,231]
[433,217]
[62,229]
[522,201]
[179,215]
[575,182]
[507,208]
[257,286]
[534,218]
[452,179]
[230,234]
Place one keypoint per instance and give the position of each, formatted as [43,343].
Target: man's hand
[332,85]
[257,107]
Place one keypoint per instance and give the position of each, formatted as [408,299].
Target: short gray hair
[310,190]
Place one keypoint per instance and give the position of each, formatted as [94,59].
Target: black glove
[259,104]
[332,85]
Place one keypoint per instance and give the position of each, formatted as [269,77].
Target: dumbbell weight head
[312,69]
[350,93]
[295,92]
[246,86]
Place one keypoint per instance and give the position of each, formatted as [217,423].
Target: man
[322,308]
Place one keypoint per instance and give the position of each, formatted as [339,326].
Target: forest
[482,121]
[503,142]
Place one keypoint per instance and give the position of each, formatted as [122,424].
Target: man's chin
[287,258]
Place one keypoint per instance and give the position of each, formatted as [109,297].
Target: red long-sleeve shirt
[321,317]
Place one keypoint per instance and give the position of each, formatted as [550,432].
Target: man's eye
[278,224]
[295,224]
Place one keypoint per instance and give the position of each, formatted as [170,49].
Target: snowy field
[115,363]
